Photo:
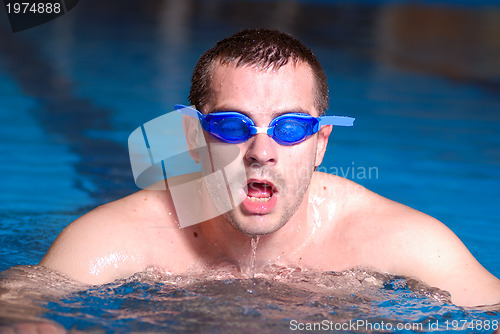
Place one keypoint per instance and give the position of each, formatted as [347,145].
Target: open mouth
[261,197]
[260,191]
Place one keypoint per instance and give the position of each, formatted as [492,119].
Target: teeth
[258,199]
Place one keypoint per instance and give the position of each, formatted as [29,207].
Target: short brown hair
[256,47]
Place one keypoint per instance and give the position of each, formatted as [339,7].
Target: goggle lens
[289,130]
[232,129]
[229,129]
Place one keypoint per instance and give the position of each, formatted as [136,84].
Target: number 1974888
[33,8]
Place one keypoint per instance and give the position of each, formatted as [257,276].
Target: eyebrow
[274,113]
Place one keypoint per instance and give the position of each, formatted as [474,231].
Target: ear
[192,132]
[323,135]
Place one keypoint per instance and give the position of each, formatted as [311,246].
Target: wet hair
[267,49]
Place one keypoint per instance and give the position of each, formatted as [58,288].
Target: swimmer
[303,218]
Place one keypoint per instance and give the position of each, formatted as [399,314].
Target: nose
[262,150]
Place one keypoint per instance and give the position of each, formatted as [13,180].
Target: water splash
[253,255]
[157,301]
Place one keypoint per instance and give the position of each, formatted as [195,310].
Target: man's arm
[397,239]
[93,250]
[24,292]
[430,251]
[107,243]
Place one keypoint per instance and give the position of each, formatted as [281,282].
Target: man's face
[277,176]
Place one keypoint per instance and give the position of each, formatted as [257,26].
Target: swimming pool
[74,89]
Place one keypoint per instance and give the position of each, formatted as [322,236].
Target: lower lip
[260,208]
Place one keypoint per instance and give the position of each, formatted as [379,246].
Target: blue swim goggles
[287,129]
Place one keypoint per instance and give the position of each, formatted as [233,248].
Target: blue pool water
[427,128]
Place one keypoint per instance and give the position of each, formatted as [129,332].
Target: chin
[254,225]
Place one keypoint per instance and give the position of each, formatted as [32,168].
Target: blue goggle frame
[287,129]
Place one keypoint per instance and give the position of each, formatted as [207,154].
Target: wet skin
[306,219]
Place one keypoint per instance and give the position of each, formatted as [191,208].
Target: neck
[280,247]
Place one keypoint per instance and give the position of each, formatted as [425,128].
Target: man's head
[261,74]
[266,49]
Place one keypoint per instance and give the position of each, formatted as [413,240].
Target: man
[303,218]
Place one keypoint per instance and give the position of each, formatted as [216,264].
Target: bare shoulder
[112,240]
[395,238]
[421,246]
